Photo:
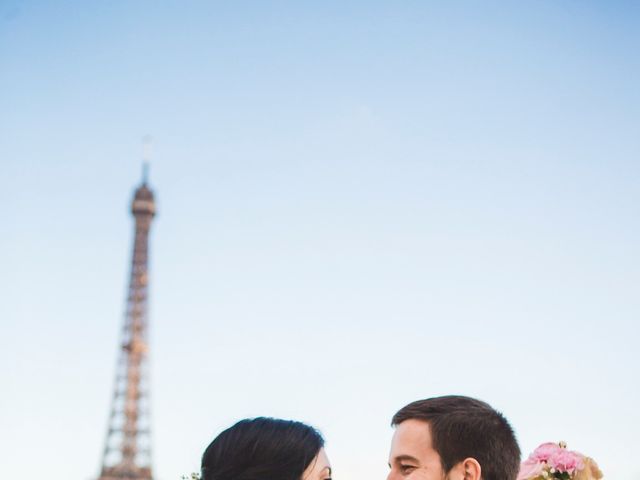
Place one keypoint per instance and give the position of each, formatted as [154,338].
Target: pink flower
[566,461]
[530,469]
[544,452]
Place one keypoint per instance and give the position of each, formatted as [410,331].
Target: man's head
[453,437]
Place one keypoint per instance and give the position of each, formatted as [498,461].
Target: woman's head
[266,449]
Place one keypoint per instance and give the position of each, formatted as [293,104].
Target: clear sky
[360,204]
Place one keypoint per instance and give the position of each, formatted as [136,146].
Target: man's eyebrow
[409,458]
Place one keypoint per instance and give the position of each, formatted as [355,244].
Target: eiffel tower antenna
[147,143]
[127,451]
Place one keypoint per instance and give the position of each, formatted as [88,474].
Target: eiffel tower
[127,451]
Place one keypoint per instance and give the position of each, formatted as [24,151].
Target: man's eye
[406,468]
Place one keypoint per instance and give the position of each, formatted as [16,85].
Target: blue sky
[360,205]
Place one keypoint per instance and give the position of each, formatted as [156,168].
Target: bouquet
[552,461]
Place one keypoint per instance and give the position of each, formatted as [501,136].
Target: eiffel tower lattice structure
[127,451]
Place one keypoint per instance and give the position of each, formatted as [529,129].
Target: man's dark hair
[463,427]
[260,448]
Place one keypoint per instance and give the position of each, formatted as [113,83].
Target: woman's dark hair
[261,449]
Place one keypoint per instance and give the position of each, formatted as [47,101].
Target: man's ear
[471,469]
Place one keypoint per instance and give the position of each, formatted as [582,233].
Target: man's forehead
[412,442]
[414,428]
[411,437]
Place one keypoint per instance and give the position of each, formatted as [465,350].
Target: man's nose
[391,476]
